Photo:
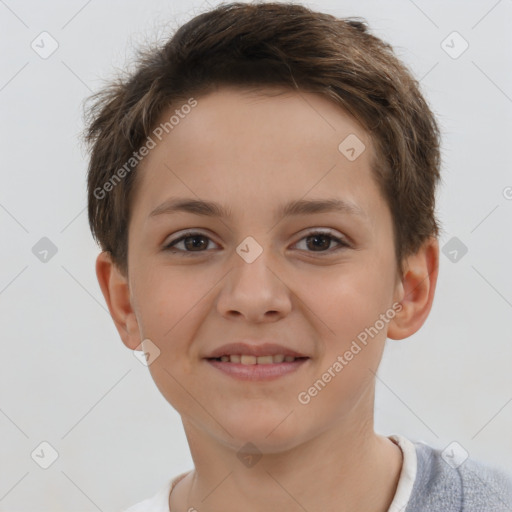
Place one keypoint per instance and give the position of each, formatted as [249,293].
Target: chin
[269,434]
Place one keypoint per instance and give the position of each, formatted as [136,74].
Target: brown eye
[320,241]
[192,242]
[195,242]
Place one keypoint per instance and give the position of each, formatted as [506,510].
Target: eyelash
[192,234]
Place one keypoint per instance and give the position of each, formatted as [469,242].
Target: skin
[301,293]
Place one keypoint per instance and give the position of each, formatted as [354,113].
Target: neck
[339,469]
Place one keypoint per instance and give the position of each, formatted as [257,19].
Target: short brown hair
[271,44]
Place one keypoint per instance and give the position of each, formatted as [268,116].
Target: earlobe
[417,290]
[116,291]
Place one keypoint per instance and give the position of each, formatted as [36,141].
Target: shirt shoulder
[445,482]
[485,487]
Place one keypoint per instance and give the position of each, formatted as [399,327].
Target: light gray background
[65,376]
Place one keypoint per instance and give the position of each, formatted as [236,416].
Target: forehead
[269,144]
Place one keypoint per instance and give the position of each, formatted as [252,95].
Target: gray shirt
[471,486]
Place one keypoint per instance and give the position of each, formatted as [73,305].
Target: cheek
[350,309]
[168,293]
[162,303]
[344,301]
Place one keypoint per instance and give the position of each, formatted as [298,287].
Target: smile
[261,368]
[248,359]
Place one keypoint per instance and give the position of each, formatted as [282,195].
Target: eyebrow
[297,207]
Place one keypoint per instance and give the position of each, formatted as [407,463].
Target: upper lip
[256,348]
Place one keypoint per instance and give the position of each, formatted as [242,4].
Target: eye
[192,240]
[321,240]
[318,241]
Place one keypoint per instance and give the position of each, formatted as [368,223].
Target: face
[314,281]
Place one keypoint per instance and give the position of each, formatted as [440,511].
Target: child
[260,130]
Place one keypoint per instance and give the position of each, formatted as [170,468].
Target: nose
[255,291]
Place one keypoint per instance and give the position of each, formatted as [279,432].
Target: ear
[416,291]
[115,288]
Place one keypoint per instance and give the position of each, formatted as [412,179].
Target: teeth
[264,360]
[247,359]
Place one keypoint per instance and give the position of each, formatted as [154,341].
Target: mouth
[256,361]
[254,352]
[247,359]
[254,371]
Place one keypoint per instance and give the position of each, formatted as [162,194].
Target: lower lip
[257,371]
